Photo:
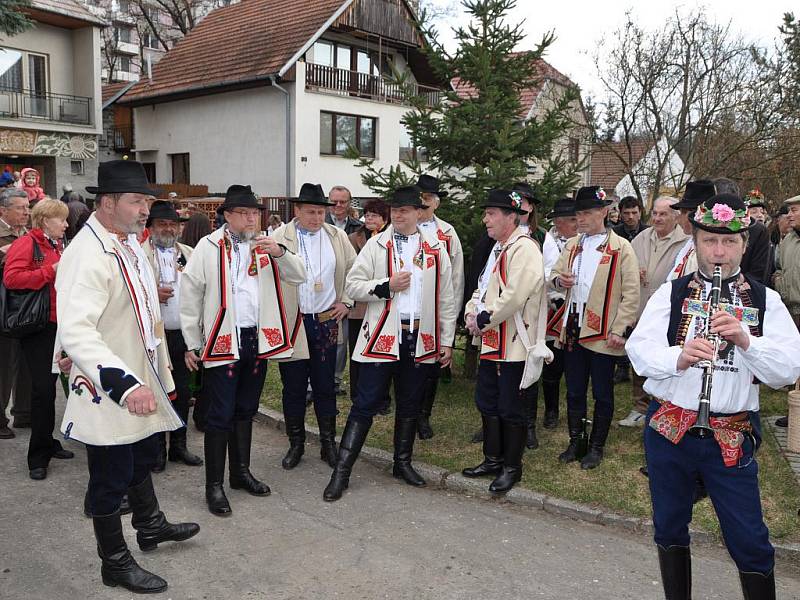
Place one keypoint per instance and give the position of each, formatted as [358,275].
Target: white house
[50,107]
[269,93]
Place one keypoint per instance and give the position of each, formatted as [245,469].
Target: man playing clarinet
[674,346]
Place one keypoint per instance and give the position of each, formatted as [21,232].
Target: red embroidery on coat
[431,262]
[263,262]
[428,342]
[605,259]
[427,248]
[492,339]
[222,345]
[592,320]
[385,343]
[273,335]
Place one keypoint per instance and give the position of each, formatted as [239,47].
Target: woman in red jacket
[49,219]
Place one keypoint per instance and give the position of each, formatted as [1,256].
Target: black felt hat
[525,190]
[508,199]
[592,196]
[562,208]
[696,193]
[722,213]
[409,195]
[122,177]
[430,185]
[240,196]
[163,209]
[312,193]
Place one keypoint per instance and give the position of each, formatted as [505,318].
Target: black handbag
[24,312]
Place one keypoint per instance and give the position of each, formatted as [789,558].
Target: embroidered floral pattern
[431,262]
[592,320]
[385,343]
[222,345]
[80,383]
[273,336]
[491,338]
[263,261]
[428,343]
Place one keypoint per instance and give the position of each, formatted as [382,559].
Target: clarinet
[702,428]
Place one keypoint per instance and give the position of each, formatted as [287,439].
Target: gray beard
[165,241]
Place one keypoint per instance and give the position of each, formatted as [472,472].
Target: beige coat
[99,329]
[345,256]
[516,283]
[657,257]
[208,319]
[613,297]
[787,277]
[447,234]
[378,338]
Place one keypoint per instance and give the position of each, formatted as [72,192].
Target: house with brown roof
[50,107]
[271,93]
[548,89]
[615,166]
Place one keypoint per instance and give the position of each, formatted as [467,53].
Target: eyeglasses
[247,214]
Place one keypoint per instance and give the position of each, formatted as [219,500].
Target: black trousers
[353,329]
[38,351]
[497,392]
[180,374]
[113,469]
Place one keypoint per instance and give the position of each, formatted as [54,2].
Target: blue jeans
[319,367]
[233,391]
[497,392]
[673,470]
[581,363]
[374,378]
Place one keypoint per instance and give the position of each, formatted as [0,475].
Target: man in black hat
[756,207]
[565,227]
[432,195]
[758,345]
[696,193]
[316,307]
[233,317]
[109,324]
[167,259]
[404,277]
[599,276]
[507,301]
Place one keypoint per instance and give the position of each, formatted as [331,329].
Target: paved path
[382,540]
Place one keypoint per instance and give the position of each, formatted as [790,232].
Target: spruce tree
[12,19]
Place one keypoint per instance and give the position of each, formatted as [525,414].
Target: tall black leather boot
[531,403]
[150,524]
[124,506]
[240,477]
[355,433]
[429,396]
[161,457]
[296,431]
[118,566]
[405,431]
[492,449]
[550,391]
[676,572]
[756,586]
[597,442]
[178,452]
[327,439]
[216,446]
[575,426]
[513,448]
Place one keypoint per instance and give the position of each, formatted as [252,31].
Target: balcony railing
[363,85]
[120,138]
[37,106]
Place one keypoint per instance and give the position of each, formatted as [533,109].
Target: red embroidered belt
[673,422]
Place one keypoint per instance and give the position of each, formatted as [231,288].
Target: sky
[580,25]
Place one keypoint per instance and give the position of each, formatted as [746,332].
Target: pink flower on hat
[723,213]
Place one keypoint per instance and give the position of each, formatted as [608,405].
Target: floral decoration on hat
[516,199]
[722,215]
[601,194]
[754,194]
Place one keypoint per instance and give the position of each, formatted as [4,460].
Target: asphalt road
[382,540]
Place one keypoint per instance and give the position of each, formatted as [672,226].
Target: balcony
[120,139]
[362,85]
[35,106]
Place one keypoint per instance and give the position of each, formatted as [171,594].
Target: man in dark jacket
[78,213]
[630,216]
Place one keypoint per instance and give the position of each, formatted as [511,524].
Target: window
[150,171]
[76,167]
[323,54]
[337,132]
[124,6]
[574,150]
[149,40]
[180,168]
[23,71]
[349,58]
[123,35]
[407,150]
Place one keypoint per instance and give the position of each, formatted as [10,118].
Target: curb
[439,478]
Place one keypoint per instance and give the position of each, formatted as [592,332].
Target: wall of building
[234,137]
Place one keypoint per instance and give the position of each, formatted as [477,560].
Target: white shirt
[245,286]
[483,279]
[685,249]
[772,358]
[429,226]
[170,277]
[585,266]
[409,301]
[317,251]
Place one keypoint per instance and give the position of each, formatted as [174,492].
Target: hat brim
[519,211]
[689,205]
[559,213]
[722,230]
[228,206]
[314,202]
[402,204]
[594,204]
[128,189]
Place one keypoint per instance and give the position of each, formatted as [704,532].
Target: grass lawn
[616,485]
